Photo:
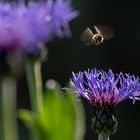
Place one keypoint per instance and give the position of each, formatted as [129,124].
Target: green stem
[1,114]
[9,115]
[33,73]
[103,137]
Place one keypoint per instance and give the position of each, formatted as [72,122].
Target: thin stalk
[103,137]
[1,114]
[9,114]
[33,73]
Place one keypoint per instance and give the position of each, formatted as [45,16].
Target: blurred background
[121,53]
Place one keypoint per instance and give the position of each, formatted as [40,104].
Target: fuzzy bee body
[97,39]
[102,33]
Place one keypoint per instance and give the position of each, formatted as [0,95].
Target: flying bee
[102,33]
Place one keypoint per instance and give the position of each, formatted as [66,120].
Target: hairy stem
[1,113]
[8,109]
[33,73]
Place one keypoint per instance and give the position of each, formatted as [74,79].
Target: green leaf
[26,116]
[61,117]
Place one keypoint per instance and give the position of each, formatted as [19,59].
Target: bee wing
[86,36]
[106,31]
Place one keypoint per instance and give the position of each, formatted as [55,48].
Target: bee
[102,33]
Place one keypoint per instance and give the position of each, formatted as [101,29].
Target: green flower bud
[104,121]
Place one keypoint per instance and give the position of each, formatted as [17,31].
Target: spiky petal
[24,26]
[105,88]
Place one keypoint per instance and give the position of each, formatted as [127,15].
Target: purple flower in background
[104,88]
[23,27]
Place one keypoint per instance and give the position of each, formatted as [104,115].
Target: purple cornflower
[104,88]
[23,27]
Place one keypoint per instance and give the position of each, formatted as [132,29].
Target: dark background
[120,54]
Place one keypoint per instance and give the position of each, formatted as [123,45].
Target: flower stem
[1,113]
[8,109]
[33,73]
[103,137]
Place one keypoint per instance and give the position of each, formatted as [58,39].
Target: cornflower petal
[25,26]
[106,88]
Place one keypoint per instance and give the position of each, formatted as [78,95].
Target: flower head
[25,26]
[105,88]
